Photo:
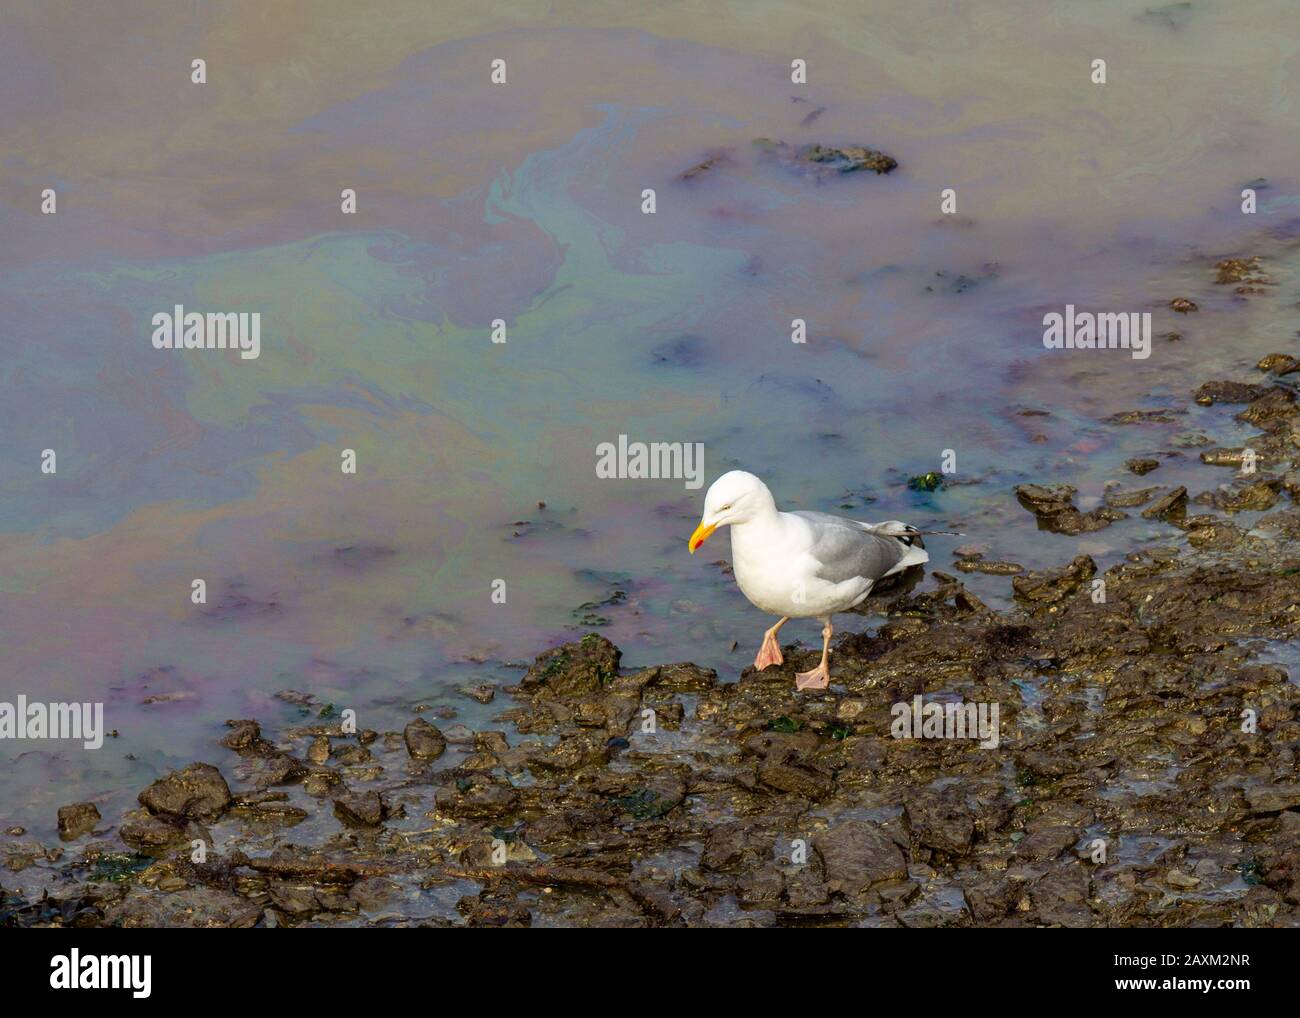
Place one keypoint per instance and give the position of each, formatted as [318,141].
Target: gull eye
[725,508]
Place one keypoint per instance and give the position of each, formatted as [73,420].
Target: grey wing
[847,549]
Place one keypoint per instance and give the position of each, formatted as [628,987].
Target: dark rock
[1228,392]
[1224,457]
[844,159]
[805,889]
[980,565]
[1279,364]
[1043,500]
[1055,509]
[764,886]
[781,746]
[1060,898]
[373,892]
[1169,507]
[1049,587]
[1276,404]
[153,834]
[360,809]
[197,907]
[1144,417]
[1142,465]
[1129,499]
[795,780]
[478,797]
[275,768]
[1248,498]
[1047,842]
[685,677]
[933,913]
[939,820]
[857,854]
[1072,521]
[244,735]
[850,158]
[350,754]
[275,812]
[197,792]
[1285,522]
[582,749]
[319,751]
[585,666]
[725,847]
[423,740]
[295,899]
[703,167]
[1240,270]
[1272,798]
[484,693]
[78,819]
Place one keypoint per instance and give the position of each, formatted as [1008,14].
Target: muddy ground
[1145,772]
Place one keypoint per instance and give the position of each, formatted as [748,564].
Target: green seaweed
[116,867]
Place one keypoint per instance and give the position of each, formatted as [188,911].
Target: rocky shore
[1145,770]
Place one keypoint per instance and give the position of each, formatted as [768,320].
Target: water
[522,202]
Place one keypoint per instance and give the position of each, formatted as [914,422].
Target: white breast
[777,573]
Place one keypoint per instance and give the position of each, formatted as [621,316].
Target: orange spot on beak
[700,536]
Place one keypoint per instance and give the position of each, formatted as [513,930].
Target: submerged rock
[704,166]
[978,564]
[849,158]
[843,159]
[1142,465]
[1238,270]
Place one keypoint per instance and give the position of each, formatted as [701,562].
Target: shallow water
[522,202]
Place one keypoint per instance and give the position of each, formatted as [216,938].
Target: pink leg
[819,677]
[770,652]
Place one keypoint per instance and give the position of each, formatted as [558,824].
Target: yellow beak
[700,536]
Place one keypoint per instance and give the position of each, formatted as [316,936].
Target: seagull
[801,564]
